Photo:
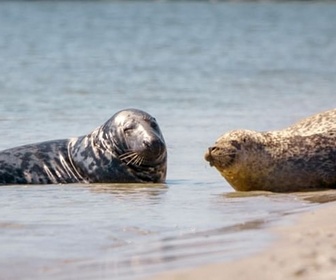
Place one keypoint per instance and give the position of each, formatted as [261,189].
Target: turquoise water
[201,69]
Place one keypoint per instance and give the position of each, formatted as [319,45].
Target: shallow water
[100,231]
[201,69]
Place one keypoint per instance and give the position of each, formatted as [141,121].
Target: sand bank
[306,250]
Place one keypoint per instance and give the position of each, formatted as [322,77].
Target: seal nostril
[146,143]
[212,149]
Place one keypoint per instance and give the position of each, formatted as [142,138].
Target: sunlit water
[201,69]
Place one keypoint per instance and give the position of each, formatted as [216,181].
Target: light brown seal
[301,157]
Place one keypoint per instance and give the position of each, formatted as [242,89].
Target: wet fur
[102,156]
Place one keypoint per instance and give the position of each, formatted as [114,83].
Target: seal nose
[208,157]
[146,143]
[153,145]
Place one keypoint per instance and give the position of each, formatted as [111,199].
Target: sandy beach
[306,249]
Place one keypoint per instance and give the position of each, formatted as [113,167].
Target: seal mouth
[154,153]
[219,158]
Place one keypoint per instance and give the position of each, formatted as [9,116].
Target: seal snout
[154,145]
[153,149]
[208,156]
[147,143]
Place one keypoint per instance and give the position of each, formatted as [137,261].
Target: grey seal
[301,157]
[128,148]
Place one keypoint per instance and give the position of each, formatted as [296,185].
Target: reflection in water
[9,225]
[318,196]
[163,253]
[152,190]
[238,194]
[101,231]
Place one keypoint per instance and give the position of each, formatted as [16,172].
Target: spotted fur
[299,158]
[128,148]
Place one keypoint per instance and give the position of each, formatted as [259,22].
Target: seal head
[129,147]
[137,138]
[235,155]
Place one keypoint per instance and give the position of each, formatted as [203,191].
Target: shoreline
[305,249]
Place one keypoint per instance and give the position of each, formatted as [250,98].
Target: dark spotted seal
[128,148]
[299,158]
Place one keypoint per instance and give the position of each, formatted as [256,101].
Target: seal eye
[236,144]
[129,127]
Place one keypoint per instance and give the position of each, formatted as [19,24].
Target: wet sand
[305,249]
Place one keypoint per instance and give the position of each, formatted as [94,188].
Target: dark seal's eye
[236,144]
[129,127]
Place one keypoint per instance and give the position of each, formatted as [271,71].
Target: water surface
[201,69]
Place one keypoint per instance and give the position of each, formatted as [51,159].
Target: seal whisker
[139,160]
[127,155]
[133,159]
